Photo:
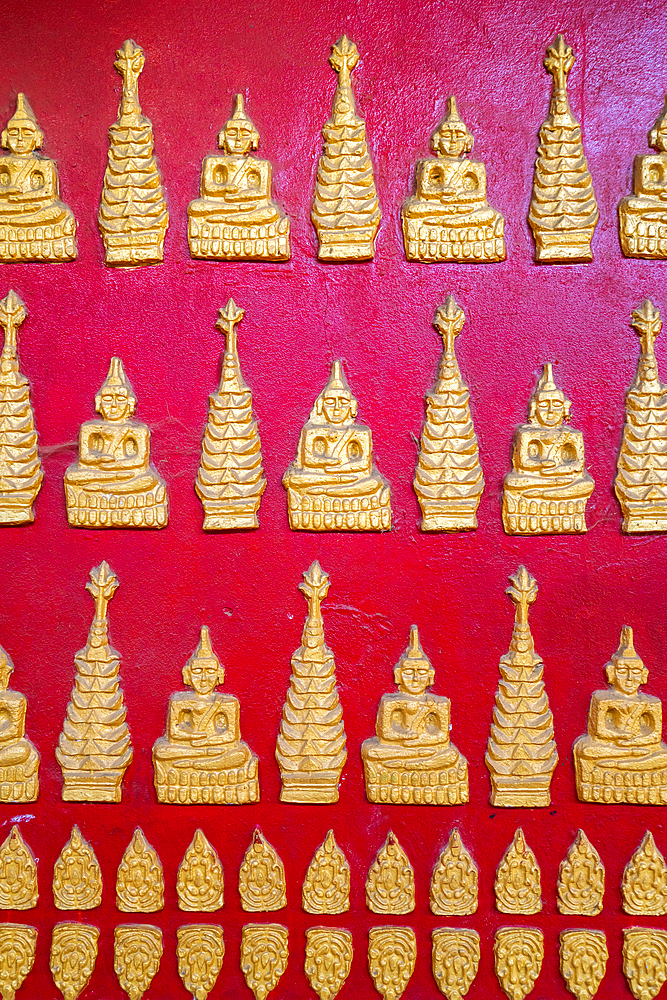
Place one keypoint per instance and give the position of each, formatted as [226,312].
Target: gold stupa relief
[202,758]
[390,886]
[200,952]
[18,874]
[18,944]
[563,210]
[139,879]
[583,961]
[326,887]
[644,885]
[114,485]
[455,880]
[548,488]
[34,223]
[20,466]
[333,483]
[346,211]
[19,761]
[234,217]
[622,757]
[643,215]
[310,748]
[133,215]
[137,952]
[328,960]
[644,960]
[73,957]
[262,886]
[200,880]
[518,885]
[519,953]
[392,953]
[454,960]
[77,877]
[580,887]
[641,477]
[448,216]
[264,953]
[521,753]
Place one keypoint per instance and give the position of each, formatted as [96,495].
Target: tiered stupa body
[133,215]
[346,212]
[20,467]
[641,478]
[563,210]
[448,479]
[521,754]
[643,215]
[230,481]
[94,748]
[311,744]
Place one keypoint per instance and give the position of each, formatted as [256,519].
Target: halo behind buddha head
[24,115]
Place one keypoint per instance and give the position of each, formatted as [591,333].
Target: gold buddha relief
[234,218]
[19,760]
[448,216]
[643,215]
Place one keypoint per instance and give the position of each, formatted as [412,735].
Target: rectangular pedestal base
[302,788]
[448,522]
[89,788]
[230,522]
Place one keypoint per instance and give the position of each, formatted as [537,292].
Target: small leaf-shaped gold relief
[455,960]
[139,881]
[390,886]
[77,878]
[73,957]
[518,885]
[18,874]
[262,877]
[583,961]
[644,960]
[137,950]
[200,952]
[581,879]
[200,884]
[326,888]
[454,884]
[392,953]
[264,952]
[18,943]
[644,885]
[519,952]
[328,959]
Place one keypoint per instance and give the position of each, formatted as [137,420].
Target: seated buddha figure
[113,484]
[448,216]
[332,484]
[234,218]
[622,757]
[410,760]
[19,761]
[547,491]
[643,215]
[34,223]
[202,758]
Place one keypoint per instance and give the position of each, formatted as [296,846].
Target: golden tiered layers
[643,215]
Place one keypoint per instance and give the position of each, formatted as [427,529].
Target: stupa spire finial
[102,585]
[522,592]
[314,587]
[227,322]
[344,57]
[646,320]
[558,62]
[129,62]
[12,314]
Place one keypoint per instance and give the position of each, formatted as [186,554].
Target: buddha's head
[22,135]
[657,137]
[116,400]
[335,404]
[203,671]
[6,669]
[625,671]
[452,138]
[549,406]
[413,673]
[238,136]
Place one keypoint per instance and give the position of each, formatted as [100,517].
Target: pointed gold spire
[262,885]
[200,881]
[518,886]
[390,886]
[326,887]
[18,873]
[139,880]
[77,877]
[581,875]
[455,880]
[644,885]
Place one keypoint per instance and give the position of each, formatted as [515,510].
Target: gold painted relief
[333,483]
[73,957]
[114,485]
[448,216]
[644,885]
[139,880]
[580,887]
[583,961]
[644,960]
[455,960]
[21,470]
[326,887]
[230,480]
[77,877]
[518,886]
[200,952]
[234,217]
[34,223]
[455,880]
[643,215]
[310,748]
[392,953]
[18,943]
[133,215]
[328,960]
[200,881]
[390,886]
[346,211]
[622,757]
[411,760]
[641,477]
[19,760]
[18,874]
[519,952]
[521,753]
[202,757]
[262,884]
[264,953]
[137,952]
[563,210]
[93,769]
[548,489]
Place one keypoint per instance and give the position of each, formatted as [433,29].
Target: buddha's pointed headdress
[337,384]
[547,387]
[414,655]
[626,654]
[22,117]
[203,654]
[239,115]
[452,121]
[116,379]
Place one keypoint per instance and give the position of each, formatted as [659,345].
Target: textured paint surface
[299,316]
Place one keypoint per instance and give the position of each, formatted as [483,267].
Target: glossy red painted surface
[299,316]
